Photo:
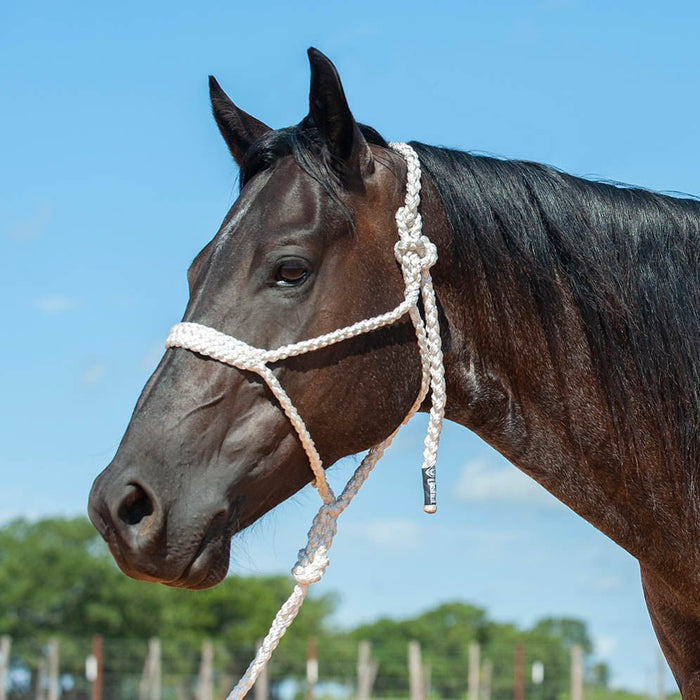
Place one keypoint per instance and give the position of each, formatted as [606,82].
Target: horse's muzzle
[135,524]
[130,518]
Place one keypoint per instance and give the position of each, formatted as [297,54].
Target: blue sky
[113,177]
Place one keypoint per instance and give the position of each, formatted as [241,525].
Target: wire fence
[170,669]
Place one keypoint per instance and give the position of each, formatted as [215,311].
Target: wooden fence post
[40,679]
[576,672]
[415,672]
[94,667]
[53,690]
[474,663]
[537,675]
[205,685]
[519,672]
[5,646]
[149,687]
[311,668]
[366,671]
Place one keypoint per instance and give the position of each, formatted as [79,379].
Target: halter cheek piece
[416,255]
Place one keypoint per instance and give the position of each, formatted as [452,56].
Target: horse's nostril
[136,506]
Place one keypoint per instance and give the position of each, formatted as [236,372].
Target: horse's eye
[291,272]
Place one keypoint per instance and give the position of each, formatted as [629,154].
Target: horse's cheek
[371,406]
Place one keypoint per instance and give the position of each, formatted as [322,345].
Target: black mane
[628,259]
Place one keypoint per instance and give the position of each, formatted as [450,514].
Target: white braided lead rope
[416,255]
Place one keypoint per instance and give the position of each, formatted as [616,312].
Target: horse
[569,318]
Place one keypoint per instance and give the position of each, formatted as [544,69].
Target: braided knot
[307,571]
[421,247]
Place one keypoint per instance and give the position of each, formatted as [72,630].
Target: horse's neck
[551,423]
[549,418]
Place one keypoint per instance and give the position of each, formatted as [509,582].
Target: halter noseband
[416,254]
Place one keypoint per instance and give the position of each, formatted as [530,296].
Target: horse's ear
[329,110]
[237,127]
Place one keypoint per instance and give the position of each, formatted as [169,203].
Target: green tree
[58,578]
[445,633]
[567,631]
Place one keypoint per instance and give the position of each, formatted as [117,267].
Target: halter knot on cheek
[416,254]
[420,251]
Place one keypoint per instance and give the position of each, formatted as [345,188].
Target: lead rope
[416,254]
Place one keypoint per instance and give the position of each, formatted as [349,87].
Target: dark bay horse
[570,320]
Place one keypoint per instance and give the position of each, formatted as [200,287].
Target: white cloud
[608,583]
[54,304]
[93,375]
[604,646]
[486,479]
[32,226]
[388,534]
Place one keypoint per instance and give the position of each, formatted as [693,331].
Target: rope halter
[416,254]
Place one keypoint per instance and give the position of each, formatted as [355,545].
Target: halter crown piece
[416,254]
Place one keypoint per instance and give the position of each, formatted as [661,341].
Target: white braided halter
[416,254]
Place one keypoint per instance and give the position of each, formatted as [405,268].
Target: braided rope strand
[416,254]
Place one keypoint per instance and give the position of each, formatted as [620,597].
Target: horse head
[308,247]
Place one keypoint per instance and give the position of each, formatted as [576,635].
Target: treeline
[57,579]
